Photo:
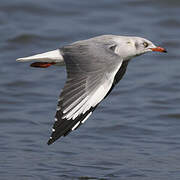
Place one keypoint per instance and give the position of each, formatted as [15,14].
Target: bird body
[94,66]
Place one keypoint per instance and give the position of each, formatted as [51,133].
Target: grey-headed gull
[94,66]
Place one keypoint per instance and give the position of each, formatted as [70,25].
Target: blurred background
[134,134]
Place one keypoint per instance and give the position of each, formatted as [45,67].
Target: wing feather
[90,76]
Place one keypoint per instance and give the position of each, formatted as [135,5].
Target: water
[133,135]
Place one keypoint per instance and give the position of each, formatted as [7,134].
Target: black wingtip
[50,141]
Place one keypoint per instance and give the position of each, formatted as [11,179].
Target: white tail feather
[51,56]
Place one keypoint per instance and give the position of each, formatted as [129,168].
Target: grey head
[129,47]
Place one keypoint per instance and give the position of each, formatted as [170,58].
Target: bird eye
[145,44]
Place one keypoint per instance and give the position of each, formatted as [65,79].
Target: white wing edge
[51,56]
[94,97]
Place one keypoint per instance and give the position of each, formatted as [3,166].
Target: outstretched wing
[90,76]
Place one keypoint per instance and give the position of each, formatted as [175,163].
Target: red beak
[159,49]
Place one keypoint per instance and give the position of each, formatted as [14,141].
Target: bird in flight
[94,66]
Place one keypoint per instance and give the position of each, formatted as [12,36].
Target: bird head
[129,47]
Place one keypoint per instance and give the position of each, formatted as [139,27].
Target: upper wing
[119,75]
[89,79]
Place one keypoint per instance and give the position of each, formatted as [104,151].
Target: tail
[45,59]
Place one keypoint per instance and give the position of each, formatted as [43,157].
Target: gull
[94,66]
